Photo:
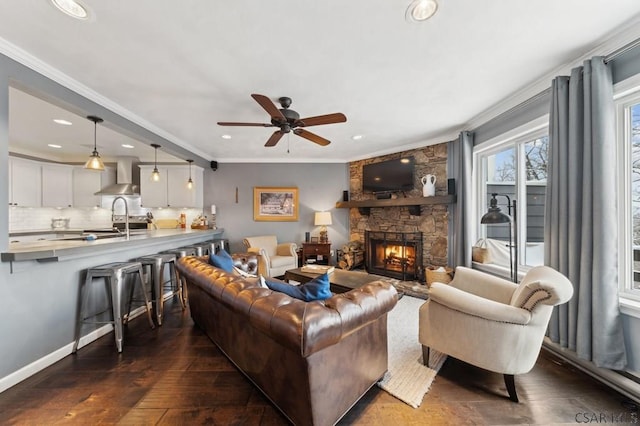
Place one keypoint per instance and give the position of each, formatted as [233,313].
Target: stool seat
[156,263]
[115,275]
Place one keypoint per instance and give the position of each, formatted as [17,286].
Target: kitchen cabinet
[87,182]
[25,183]
[57,185]
[171,190]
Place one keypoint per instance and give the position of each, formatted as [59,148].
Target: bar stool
[115,276]
[201,249]
[218,244]
[180,253]
[156,263]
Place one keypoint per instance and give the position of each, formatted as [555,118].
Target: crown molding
[628,33]
[21,56]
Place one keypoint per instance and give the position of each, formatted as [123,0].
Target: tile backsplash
[39,218]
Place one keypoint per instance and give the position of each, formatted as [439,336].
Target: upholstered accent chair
[490,322]
[275,258]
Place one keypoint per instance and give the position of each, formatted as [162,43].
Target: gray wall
[320,186]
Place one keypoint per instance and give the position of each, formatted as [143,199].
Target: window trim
[531,130]
[626,94]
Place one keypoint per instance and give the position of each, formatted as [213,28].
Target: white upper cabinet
[171,190]
[57,185]
[25,183]
[87,182]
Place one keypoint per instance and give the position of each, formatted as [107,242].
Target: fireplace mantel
[413,203]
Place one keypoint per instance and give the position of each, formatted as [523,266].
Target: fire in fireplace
[394,254]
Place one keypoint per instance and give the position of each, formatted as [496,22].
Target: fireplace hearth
[394,254]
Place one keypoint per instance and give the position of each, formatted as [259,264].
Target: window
[515,167]
[628,117]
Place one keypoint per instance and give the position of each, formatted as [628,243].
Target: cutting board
[166,223]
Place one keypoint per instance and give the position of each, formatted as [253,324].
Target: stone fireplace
[428,221]
[394,254]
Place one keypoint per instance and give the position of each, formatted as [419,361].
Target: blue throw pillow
[316,289]
[222,260]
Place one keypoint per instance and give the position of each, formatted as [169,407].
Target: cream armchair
[275,259]
[490,322]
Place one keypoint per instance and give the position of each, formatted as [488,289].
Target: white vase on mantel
[428,185]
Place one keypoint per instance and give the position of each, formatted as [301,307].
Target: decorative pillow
[222,260]
[316,289]
[246,262]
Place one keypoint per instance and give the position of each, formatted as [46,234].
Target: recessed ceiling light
[71,8]
[357,137]
[421,10]
[62,122]
[52,145]
[126,145]
[226,136]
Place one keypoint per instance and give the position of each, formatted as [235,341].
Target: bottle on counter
[183,220]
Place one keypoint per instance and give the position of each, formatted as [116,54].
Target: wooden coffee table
[340,281]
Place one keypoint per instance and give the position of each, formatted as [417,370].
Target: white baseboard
[55,356]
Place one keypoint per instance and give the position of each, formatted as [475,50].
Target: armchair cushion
[275,259]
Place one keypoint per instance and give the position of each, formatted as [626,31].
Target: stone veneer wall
[433,221]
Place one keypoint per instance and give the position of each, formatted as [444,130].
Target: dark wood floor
[175,375]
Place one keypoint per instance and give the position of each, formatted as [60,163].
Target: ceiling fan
[288,120]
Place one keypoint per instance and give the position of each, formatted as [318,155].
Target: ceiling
[177,68]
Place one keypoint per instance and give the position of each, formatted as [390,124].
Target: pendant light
[95,162]
[190,181]
[155,174]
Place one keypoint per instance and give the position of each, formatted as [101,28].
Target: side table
[318,253]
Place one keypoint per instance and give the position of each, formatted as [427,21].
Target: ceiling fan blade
[228,123]
[275,138]
[312,137]
[337,117]
[269,106]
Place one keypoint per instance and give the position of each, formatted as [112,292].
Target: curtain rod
[627,47]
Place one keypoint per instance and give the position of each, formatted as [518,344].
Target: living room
[320,180]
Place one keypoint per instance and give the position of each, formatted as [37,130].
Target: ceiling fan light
[421,10]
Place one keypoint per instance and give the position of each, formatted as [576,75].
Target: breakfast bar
[68,248]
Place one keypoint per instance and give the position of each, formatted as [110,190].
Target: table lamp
[323,219]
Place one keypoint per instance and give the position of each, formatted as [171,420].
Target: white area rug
[408,379]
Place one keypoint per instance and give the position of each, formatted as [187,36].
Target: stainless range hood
[124,185]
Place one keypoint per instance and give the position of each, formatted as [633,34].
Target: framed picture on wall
[275,204]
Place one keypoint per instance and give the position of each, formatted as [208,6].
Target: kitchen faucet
[126,214]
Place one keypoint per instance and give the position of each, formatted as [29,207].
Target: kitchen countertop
[56,250]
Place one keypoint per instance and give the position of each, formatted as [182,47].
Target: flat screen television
[388,176]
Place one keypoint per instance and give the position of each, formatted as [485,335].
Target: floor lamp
[495,216]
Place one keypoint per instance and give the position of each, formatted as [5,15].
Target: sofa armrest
[471,304]
[483,285]
[286,249]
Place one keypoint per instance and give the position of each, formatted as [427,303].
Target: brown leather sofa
[313,360]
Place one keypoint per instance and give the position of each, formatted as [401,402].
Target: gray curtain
[463,158]
[581,214]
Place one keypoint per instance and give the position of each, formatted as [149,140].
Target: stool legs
[115,281]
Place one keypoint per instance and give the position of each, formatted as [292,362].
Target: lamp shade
[495,215]
[323,218]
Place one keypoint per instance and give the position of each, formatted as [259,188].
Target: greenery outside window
[514,165]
